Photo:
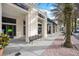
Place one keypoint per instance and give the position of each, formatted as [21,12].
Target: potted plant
[4,41]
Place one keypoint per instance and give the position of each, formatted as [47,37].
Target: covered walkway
[36,47]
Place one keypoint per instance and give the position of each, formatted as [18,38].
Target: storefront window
[48,28]
[39,28]
[8,20]
[9,28]
[24,23]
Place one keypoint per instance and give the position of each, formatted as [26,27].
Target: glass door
[10,30]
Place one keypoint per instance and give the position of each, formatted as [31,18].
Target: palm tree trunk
[72,25]
[67,14]
[75,24]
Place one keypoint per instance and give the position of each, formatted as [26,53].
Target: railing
[21,5]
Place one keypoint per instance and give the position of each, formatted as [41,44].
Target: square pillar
[31,24]
[0,18]
[27,28]
[19,27]
[44,31]
[51,28]
[28,25]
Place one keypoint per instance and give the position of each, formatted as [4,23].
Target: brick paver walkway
[56,48]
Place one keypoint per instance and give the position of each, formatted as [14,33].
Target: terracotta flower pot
[1,51]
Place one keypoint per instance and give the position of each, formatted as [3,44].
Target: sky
[46,7]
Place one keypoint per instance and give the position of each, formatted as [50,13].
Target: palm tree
[67,14]
[74,17]
[57,12]
[64,13]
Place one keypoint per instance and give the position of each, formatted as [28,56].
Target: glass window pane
[8,20]
[4,28]
[14,28]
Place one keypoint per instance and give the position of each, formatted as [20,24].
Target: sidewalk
[35,48]
[55,49]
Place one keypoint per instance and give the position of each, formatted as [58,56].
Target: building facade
[22,20]
[51,26]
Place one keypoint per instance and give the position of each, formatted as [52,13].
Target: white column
[28,25]
[44,31]
[0,18]
[26,29]
[19,27]
[33,23]
[51,28]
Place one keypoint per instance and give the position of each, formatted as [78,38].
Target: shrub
[4,40]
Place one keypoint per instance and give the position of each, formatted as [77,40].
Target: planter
[1,51]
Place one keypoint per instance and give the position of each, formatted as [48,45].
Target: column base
[27,41]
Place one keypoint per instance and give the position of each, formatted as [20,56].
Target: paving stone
[35,48]
[57,50]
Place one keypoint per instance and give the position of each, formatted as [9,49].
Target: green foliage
[68,8]
[4,40]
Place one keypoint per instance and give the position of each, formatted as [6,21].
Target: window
[8,20]
[24,31]
[5,29]
[24,23]
[48,28]
[14,28]
[39,28]
[24,28]
[8,28]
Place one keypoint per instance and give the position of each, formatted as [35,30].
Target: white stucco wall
[44,32]
[44,23]
[19,26]
[33,23]
[10,12]
[31,20]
